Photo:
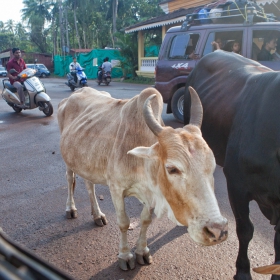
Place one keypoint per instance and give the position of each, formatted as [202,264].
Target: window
[183,45]
[265,45]
[227,41]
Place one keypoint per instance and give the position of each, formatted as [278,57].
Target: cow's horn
[150,119]
[196,109]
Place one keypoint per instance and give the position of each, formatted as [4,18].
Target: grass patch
[139,80]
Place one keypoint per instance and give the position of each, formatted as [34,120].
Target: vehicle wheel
[99,83]
[177,104]
[85,85]
[72,88]
[43,75]
[17,109]
[48,111]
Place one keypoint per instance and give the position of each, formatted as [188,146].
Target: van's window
[265,45]
[183,45]
[226,40]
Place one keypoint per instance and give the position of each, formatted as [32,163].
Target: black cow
[241,123]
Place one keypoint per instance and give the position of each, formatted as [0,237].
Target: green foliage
[7,40]
[140,80]
[127,43]
[44,28]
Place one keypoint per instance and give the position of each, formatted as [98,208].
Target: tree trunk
[66,26]
[115,14]
[62,42]
[76,27]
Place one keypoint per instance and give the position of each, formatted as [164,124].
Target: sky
[10,9]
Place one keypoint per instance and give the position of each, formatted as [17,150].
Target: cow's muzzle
[215,233]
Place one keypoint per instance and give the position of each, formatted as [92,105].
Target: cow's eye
[172,170]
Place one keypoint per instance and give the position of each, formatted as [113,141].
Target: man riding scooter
[72,67]
[18,64]
[106,67]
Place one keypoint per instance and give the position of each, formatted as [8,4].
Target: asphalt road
[33,195]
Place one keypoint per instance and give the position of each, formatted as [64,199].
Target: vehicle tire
[177,104]
[43,75]
[48,111]
[17,109]
[85,85]
[72,88]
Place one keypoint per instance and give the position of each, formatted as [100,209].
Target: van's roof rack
[247,15]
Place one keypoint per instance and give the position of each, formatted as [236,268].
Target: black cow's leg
[244,228]
[277,249]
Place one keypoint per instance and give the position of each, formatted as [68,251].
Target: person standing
[18,64]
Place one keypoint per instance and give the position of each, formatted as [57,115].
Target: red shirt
[17,65]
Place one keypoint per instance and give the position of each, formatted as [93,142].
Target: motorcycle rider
[18,64]
[106,67]
[72,68]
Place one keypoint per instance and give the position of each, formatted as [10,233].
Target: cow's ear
[145,152]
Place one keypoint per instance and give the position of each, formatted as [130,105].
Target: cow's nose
[216,233]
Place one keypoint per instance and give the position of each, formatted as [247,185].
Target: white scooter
[34,91]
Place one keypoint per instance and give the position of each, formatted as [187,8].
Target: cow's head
[184,182]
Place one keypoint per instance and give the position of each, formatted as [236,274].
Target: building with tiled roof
[175,14]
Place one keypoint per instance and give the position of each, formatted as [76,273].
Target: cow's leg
[98,216]
[244,229]
[277,249]
[71,210]
[142,251]
[125,256]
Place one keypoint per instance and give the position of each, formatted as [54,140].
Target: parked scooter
[34,91]
[81,79]
[106,77]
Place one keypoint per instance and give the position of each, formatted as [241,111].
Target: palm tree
[2,26]
[37,7]
[9,26]
[20,31]
[37,13]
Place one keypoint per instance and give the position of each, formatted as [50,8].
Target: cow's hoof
[125,265]
[242,276]
[144,259]
[72,214]
[101,221]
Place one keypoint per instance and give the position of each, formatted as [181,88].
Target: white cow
[123,144]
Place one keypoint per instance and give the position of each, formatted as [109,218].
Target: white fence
[148,64]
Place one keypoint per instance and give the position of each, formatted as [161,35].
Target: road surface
[33,195]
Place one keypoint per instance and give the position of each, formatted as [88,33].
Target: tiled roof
[176,16]
[81,50]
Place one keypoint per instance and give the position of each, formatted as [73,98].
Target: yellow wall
[177,4]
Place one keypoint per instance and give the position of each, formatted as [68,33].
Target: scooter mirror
[12,71]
